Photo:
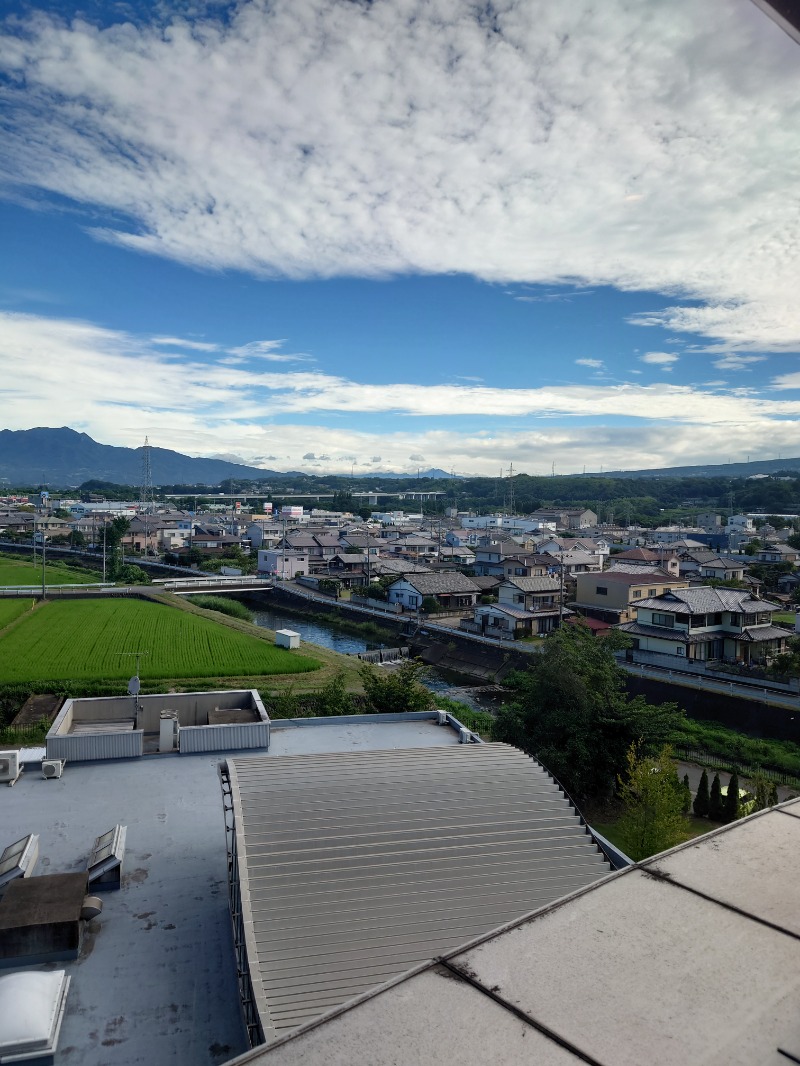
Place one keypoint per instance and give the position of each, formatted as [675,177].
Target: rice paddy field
[25,572]
[12,609]
[78,640]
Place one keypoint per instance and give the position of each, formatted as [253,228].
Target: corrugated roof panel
[355,867]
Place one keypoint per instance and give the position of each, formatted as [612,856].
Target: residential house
[576,562]
[707,623]
[666,560]
[456,556]
[491,553]
[566,518]
[452,591]
[613,595]
[527,606]
[701,565]
[287,563]
[777,553]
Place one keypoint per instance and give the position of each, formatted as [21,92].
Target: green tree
[653,800]
[730,808]
[701,800]
[430,605]
[760,792]
[131,574]
[334,699]
[114,532]
[773,795]
[571,711]
[715,808]
[396,690]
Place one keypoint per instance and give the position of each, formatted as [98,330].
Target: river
[320,631]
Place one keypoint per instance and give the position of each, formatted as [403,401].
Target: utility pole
[104,551]
[561,590]
[44,587]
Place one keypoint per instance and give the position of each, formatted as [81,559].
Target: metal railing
[730,763]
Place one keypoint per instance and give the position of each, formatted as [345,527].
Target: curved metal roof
[355,867]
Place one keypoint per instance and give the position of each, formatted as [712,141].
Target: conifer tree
[715,811]
[730,810]
[773,795]
[701,799]
[687,794]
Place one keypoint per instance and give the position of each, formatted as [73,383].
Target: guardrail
[36,590]
[215,582]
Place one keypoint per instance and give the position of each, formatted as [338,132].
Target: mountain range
[64,458]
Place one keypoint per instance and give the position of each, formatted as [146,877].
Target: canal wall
[745,714]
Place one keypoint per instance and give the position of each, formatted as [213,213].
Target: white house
[707,623]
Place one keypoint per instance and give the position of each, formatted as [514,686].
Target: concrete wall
[193,709]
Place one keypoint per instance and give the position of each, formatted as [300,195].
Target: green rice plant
[79,640]
[11,609]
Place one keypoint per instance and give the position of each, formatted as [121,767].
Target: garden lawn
[24,572]
[11,609]
[76,640]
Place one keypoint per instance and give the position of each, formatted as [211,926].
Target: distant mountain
[60,458]
[758,466]
[435,472]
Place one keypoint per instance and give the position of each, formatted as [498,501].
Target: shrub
[701,800]
[730,808]
[716,810]
[219,603]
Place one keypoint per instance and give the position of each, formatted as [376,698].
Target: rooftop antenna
[146,493]
[135,685]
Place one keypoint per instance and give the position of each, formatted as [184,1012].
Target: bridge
[198,585]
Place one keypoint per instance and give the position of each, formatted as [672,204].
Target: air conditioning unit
[52,767]
[9,767]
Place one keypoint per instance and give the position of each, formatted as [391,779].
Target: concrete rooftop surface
[692,957]
[155,982]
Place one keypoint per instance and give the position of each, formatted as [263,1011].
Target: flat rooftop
[155,982]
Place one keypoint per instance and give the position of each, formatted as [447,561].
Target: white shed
[287,638]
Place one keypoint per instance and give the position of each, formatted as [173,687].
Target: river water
[319,631]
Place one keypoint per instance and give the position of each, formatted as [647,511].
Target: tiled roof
[678,636]
[435,584]
[758,633]
[512,612]
[703,600]
[642,568]
[534,584]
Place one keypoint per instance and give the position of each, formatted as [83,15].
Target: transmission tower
[146,493]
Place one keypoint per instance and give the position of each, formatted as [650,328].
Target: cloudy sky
[341,234]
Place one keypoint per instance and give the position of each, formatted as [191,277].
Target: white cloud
[734,361]
[179,342]
[118,387]
[598,363]
[267,351]
[662,359]
[650,147]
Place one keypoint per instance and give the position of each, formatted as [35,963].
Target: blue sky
[325,235]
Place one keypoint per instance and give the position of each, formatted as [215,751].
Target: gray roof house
[707,623]
[451,590]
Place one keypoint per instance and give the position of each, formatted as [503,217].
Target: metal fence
[730,763]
